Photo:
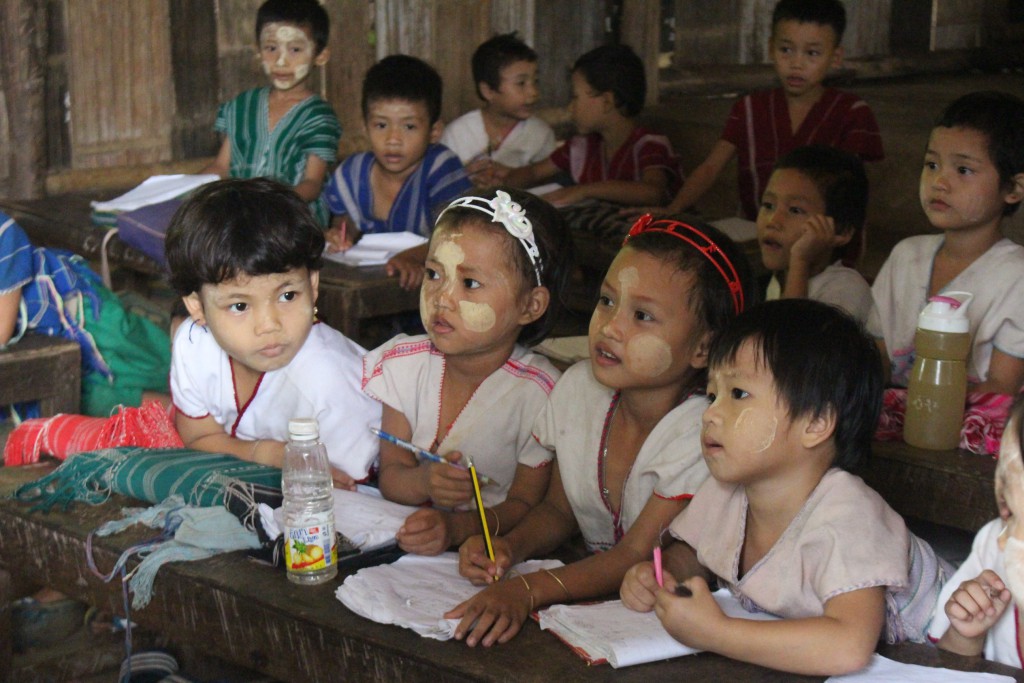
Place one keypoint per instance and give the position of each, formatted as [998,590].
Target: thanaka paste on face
[648,355]
[450,255]
[756,431]
[286,34]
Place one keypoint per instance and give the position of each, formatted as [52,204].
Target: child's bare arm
[205,434]
[221,164]
[10,302]
[1005,374]
[703,177]
[652,189]
[840,641]
[972,609]
[403,479]
[407,266]
[312,183]
[816,244]
[886,363]
[530,175]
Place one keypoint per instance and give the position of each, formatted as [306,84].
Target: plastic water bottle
[310,554]
[938,381]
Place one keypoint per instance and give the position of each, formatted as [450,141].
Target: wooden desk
[47,369]
[349,296]
[953,488]
[249,614]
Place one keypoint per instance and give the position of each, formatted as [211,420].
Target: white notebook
[376,249]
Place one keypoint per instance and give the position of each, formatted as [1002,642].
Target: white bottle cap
[303,428]
[946,313]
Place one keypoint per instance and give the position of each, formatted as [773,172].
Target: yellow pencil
[483,513]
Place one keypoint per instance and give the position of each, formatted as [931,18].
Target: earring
[315,311]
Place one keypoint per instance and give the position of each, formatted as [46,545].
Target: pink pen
[658,574]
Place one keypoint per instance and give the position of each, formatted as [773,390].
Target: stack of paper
[153,190]
[376,249]
[415,591]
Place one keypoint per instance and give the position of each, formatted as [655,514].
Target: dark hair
[618,70]
[403,77]
[1016,414]
[235,227]
[553,241]
[712,299]
[494,55]
[829,13]
[842,183]
[821,360]
[999,116]
[303,13]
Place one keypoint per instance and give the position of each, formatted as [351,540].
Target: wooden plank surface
[44,369]
[249,614]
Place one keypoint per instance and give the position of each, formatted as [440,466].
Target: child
[812,212]
[125,357]
[495,272]
[625,427]
[973,176]
[283,131]
[504,129]
[805,45]
[781,523]
[245,256]
[612,157]
[406,178]
[972,615]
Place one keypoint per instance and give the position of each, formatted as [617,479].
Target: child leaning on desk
[284,131]
[245,257]
[406,178]
[470,388]
[973,177]
[624,426]
[795,389]
[975,614]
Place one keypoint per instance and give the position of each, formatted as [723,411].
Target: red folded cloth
[148,426]
[984,419]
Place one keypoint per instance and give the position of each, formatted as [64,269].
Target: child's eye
[238,307]
[643,316]
[411,126]
[289,296]
[767,206]
[604,300]
[470,283]
[738,393]
[931,165]
[796,210]
[432,274]
[711,396]
[813,53]
[963,170]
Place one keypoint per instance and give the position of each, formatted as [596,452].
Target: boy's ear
[1016,193]
[837,58]
[436,128]
[487,91]
[536,304]
[314,284]
[323,57]
[843,236]
[818,430]
[699,358]
[195,307]
[608,101]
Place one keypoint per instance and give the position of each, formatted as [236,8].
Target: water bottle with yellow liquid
[938,381]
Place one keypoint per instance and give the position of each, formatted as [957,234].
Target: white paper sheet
[155,189]
[376,249]
[883,670]
[415,591]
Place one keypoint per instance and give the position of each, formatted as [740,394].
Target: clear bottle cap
[303,428]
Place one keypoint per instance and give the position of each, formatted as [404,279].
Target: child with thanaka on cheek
[624,427]
[781,523]
[811,218]
[470,388]
[285,131]
[972,616]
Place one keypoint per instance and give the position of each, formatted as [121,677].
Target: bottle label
[311,548]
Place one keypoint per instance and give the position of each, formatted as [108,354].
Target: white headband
[503,210]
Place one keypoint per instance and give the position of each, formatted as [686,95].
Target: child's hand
[640,588]
[564,196]
[449,486]
[342,480]
[425,532]
[819,238]
[494,615]
[691,620]
[408,268]
[341,235]
[476,566]
[977,604]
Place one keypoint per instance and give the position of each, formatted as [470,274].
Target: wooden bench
[44,369]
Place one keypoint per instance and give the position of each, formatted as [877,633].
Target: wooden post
[641,30]
[22,49]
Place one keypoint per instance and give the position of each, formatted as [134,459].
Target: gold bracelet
[528,590]
[497,522]
[554,576]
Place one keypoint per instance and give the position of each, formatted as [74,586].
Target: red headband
[706,246]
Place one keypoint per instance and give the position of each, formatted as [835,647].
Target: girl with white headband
[470,388]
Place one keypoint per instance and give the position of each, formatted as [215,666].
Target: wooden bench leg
[6,630]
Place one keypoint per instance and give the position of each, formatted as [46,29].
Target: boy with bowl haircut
[284,131]
[805,46]
[407,177]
